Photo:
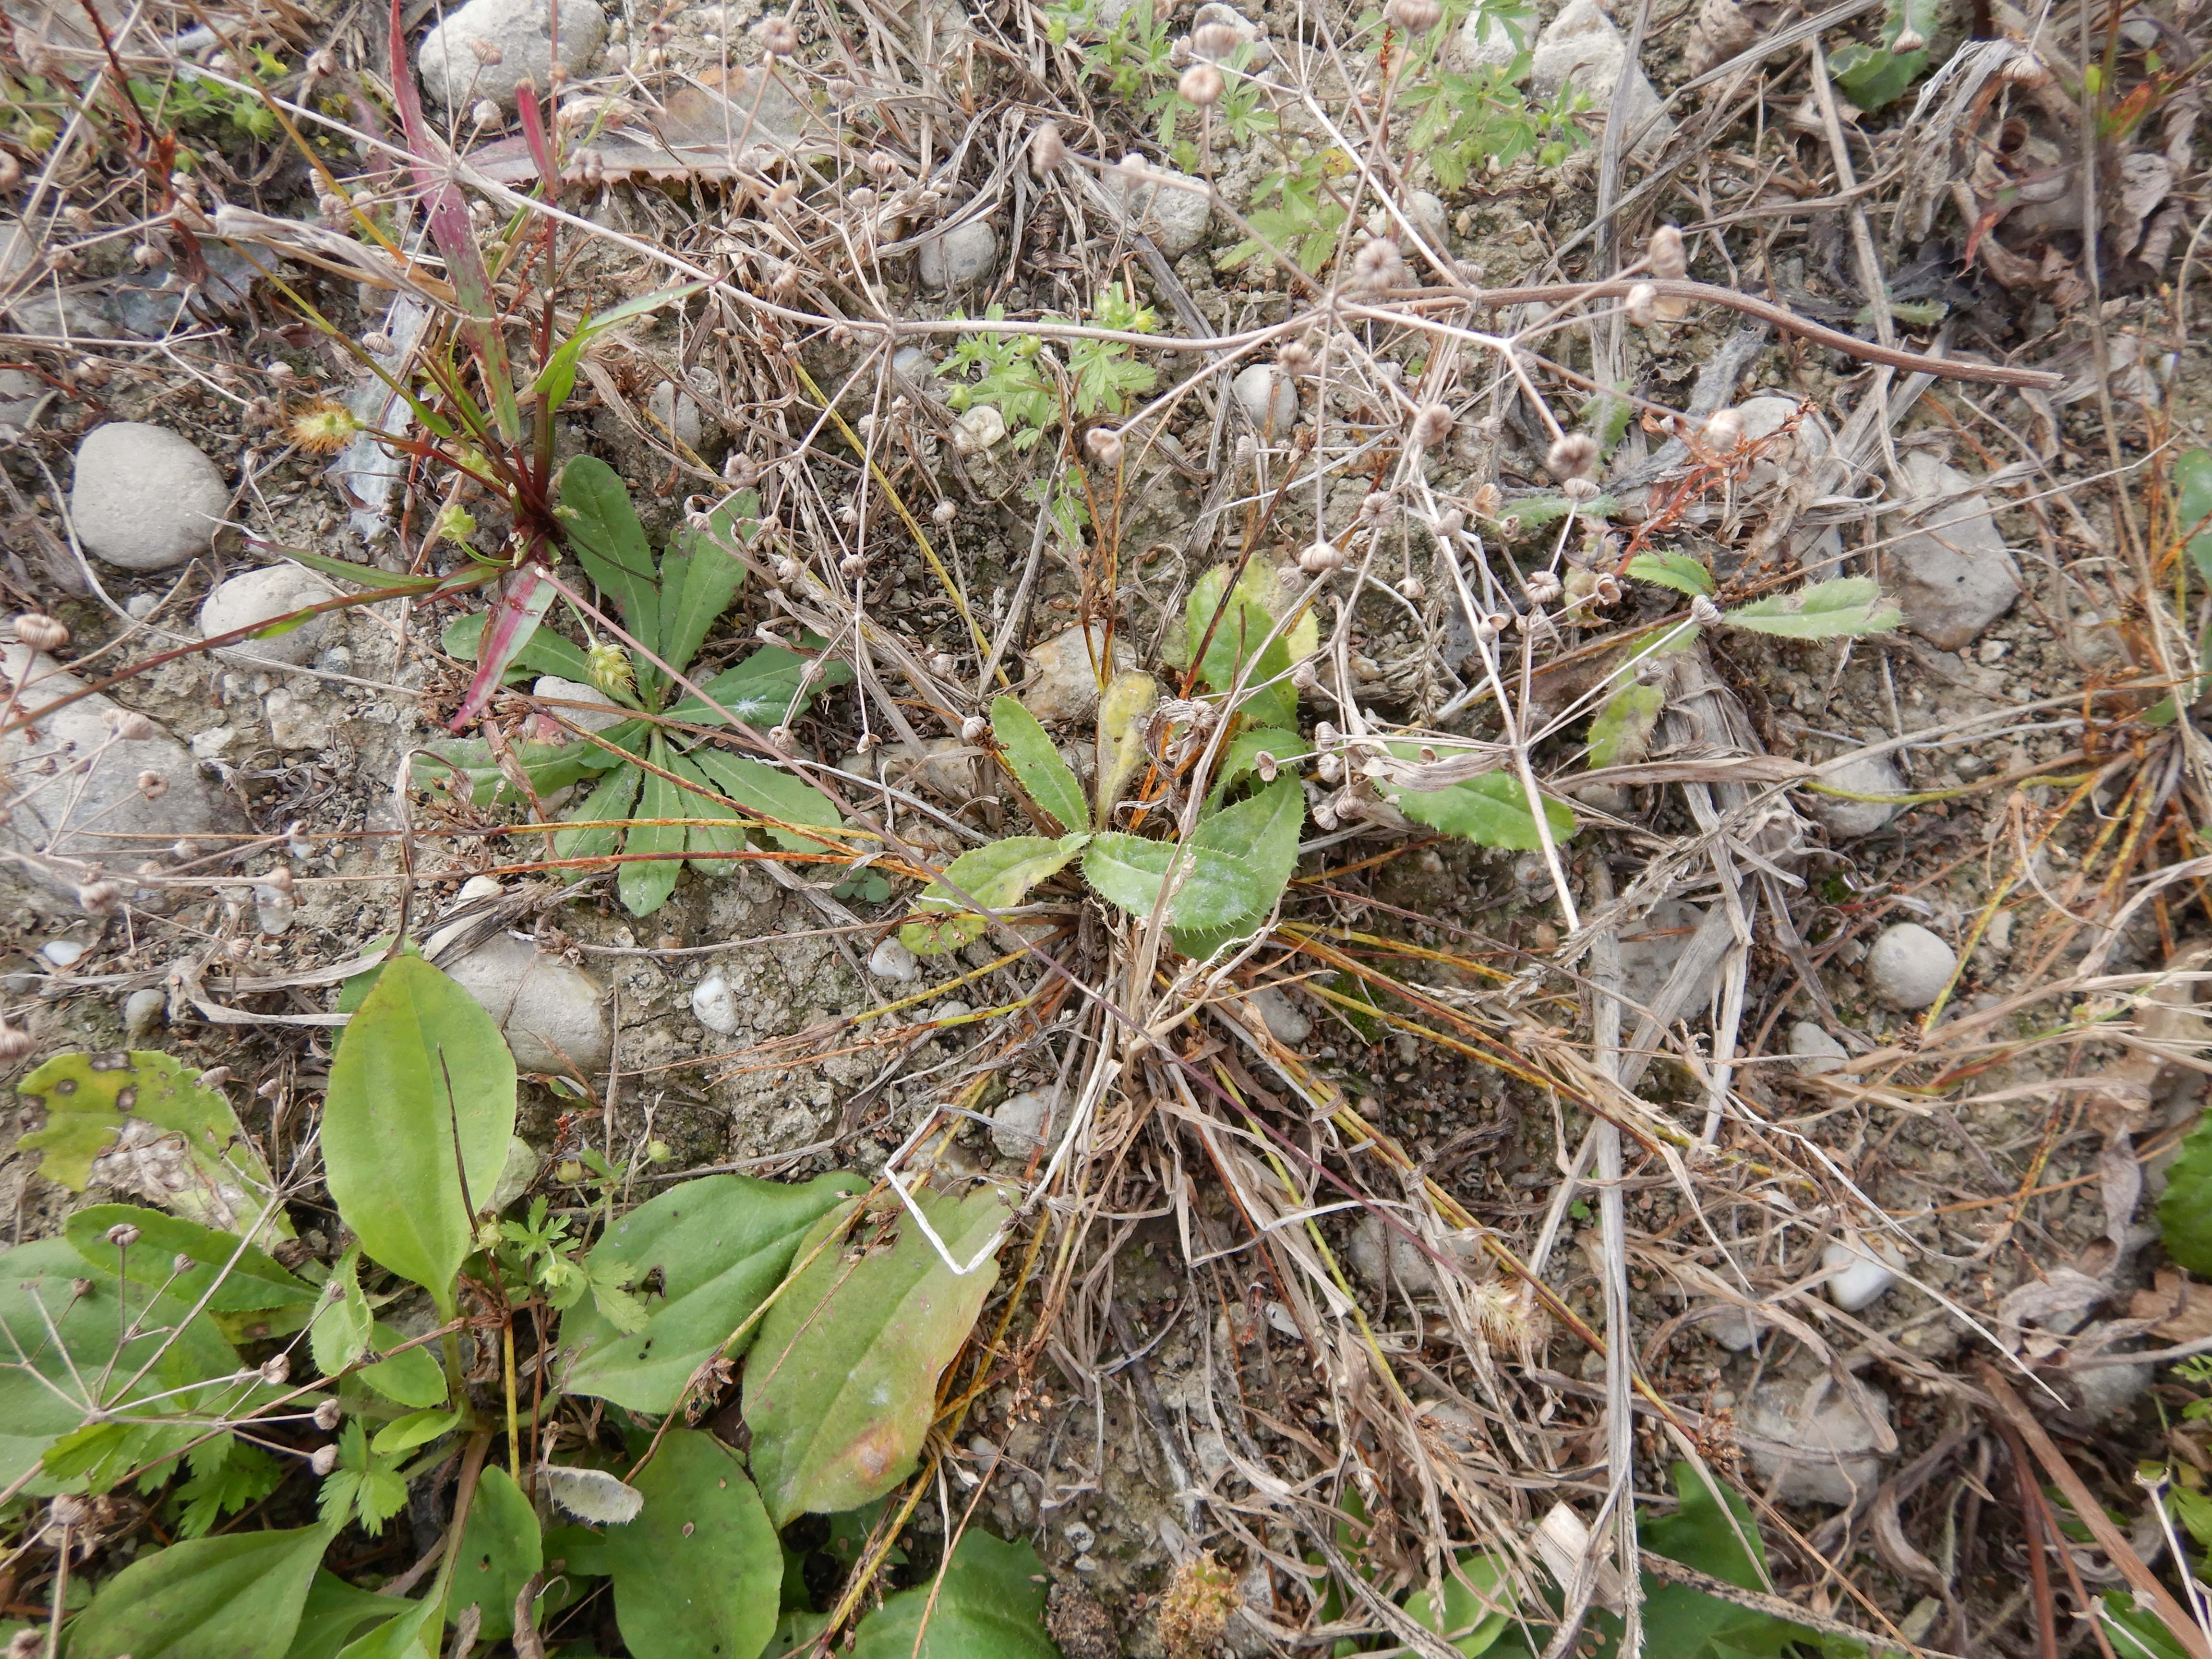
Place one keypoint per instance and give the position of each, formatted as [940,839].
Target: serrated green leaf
[995,876]
[1236,867]
[238,1596]
[613,799]
[500,1549]
[1240,755]
[234,1276]
[1844,607]
[607,538]
[695,1575]
[762,789]
[421,1073]
[701,573]
[1238,643]
[702,841]
[987,1604]
[183,1130]
[1037,766]
[1534,511]
[1490,809]
[644,885]
[1679,571]
[2192,508]
[841,1386]
[719,1245]
[1622,728]
[545,652]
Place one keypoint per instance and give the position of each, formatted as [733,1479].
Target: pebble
[473,891]
[299,718]
[980,428]
[1171,207]
[548,1012]
[522,30]
[590,720]
[674,412]
[1287,1023]
[1063,685]
[1485,41]
[1023,1123]
[1862,1270]
[516,1175]
[958,258]
[1865,775]
[1953,576]
[1817,1053]
[1408,1266]
[21,394]
[1908,967]
[144,498]
[257,596]
[714,1004]
[64,952]
[120,824]
[1268,397]
[1734,1328]
[892,961]
[1581,49]
[143,1010]
[1830,1455]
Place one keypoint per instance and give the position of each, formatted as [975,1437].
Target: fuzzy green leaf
[186,1130]
[1236,867]
[995,876]
[1038,766]
[1679,571]
[1622,727]
[340,1331]
[719,1245]
[234,1276]
[1845,606]
[501,1548]
[695,1575]
[760,788]
[1490,809]
[1238,643]
[988,1605]
[234,1597]
[700,574]
[644,886]
[421,1075]
[1240,756]
[604,530]
[843,1383]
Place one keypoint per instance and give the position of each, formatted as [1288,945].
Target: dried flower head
[15,1041]
[1412,588]
[1909,40]
[1320,559]
[153,785]
[325,1457]
[11,170]
[41,632]
[327,1415]
[944,512]
[1297,358]
[1378,265]
[1415,16]
[974,729]
[1201,84]
[323,427]
[1104,445]
[1667,255]
[779,38]
[123,1234]
[1724,431]
[1487,501]
[1580,490]
[1704,611]
[131,726]
[488,52]
[98,898]
[1642,305]
[1196,1606]
[609,668]
[1432,424]
[1047,149]
[1543,588]
[1215,41]
[1572,455]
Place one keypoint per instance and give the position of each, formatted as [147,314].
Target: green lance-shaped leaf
[342,1327]
[1843,608]
[841,1385]
[1490,809]
[1680,1623]
[695,1575]
[141,1123]
[1234,867]
[718,1244]
[501,1548]
[988,1605]
[1622,729]
[1048,780]
[2184,1209]
[1679,571]
[1477,1604]
[700,574]
[234,1276]
[773,794]
[1239,643]
[767,687]
[234,1597]
[422,1081]
[544,652]
[413,1632]
[2192,508]
[995,876]
[611,801]
[72,1345]
[334,1614]
[604,530]
[646,884]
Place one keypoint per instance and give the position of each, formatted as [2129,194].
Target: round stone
[254,597]
[520,33]
[1268,399]
[960,257]
[144,498]
[1908,966]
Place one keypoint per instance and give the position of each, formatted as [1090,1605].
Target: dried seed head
[783,275]
[181,1264]
[943,664]
[1506,1315]
[1304,677]
[41,632]
[1606,591]
[1378,265]
[1643,305]
[1704,611]
[1543,588]
[788,570]
[1201,84]
[1433,425]
[1579,491]
[1666,254]
[779,38]
[1724,431]
[1449,523]
[852,566]
[123,1234]
[1215,41]
[1377,505]
[153,785]
[278,880]
[1265,765]
[1296,358]
[1488,501]
[1320,559]
[378,341]
[275,1370]
[15,1041]
[1572,455]
[1415,16]
[148,256]
[1324,816]
[11,170]
[1413,588]
[1485,631]
[1330,768]
[325,1457]
[2027,70]
[98,898]
[1047,149]
[974,729]
[944,512]
[131,726]
[488,52]
[326,1416]
[1909,39]
[322,64]
[484,114]
[1104,445]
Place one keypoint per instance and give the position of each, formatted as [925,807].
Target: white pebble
[1268,399]
[144,498]
[1859,1270]
[893,961]
[714,1004]
[1022,1123]
[1908,966]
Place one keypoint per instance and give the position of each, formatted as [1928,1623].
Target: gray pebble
[1021,1124]
[1268,397]
[714,1004]
[548,1011]
[958,258]
[1824,1454]
[456,77]
[1868,775]
[1817,1053]
[144,498]
[258,596]
[1909,967]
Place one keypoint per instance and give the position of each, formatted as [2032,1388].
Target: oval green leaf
[1037,765]
[1477,1604]
[695,1575]
[422,1094]
[994,877]
[501,1548]
[646,884]
[1490,809]
[234,1597]
[841,1385]
[988,1604]
[234,1276]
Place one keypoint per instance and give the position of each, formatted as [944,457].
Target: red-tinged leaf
[523,599]
[534,135]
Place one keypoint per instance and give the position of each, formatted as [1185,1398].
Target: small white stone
[958,258]
[1268,398]
[1426,209]
[1079,1536]
[144,498]
[1582,49]
[892,961]
[63,952]
[299,719]
[143,1009]
[714,1004]
[253,597]
[548,1011]
[557,689]
[1287,1023]
[1908,967]
[1734,1328]
[1867,775]
[1860,1270]
[456,78]
[1484,41]
[1952,574]
[1065,685]
[212,742]
[1171,207]
[1021,1124]
[1817,1053]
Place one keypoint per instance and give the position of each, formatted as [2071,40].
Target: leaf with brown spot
[842,1381]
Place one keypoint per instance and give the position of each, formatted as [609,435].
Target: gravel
[452,69]
[144,498]
[553,687]
[892,961]
[1581,49]
[714,1004]
[1909,967]
[1064,685]
[257,596]
[1860,1270]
